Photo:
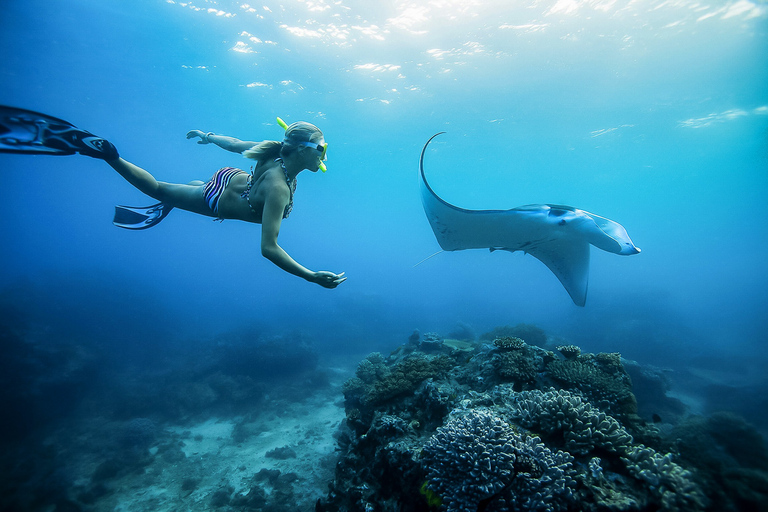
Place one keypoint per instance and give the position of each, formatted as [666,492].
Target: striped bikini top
[291,186]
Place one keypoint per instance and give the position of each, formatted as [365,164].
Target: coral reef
[514,366]
[569,351]
[375,383]
[671,485]
[371,368]
[730,456]
[531,334]
[479,459]
[509,343]
[441,423]
[600,377]
[460,345]
[562,415]
[514,426]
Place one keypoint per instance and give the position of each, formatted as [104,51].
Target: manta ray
[558,236]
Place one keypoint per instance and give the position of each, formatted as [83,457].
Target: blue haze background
[653,114]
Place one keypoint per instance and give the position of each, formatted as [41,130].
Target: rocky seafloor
[512,421]
[508,424]
[243,422]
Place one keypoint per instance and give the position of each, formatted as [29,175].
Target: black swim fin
[138,217]
[28,132]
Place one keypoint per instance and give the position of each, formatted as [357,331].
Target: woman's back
[243,202]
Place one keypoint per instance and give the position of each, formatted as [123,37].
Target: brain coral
[479,460]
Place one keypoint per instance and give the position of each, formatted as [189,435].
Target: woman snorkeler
[264,196]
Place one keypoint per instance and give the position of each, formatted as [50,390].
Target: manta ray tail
[428,257]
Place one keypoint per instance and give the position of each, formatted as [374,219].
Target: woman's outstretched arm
[223,141]
[270,227]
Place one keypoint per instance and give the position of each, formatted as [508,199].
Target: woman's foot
[27,132]
[73,139]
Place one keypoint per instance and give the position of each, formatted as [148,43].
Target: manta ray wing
[558,236]
[569,261]
[457,228]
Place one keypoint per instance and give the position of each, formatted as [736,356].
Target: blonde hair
[270,149]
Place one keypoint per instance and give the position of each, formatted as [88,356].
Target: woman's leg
[137,177]
[187,197]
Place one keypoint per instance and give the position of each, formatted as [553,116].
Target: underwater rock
[254,499]
[431,342]
[278,496]
[221,497]
[650,386]
[740,440]
[730,456]
[190,484]
[107,470]
[281,453]
[243,430]
[270,475]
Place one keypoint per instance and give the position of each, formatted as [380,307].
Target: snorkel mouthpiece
[284,126]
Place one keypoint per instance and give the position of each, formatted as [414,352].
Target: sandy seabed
[283,451]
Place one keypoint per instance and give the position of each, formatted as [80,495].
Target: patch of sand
[215,459]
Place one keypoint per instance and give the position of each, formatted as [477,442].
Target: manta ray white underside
[558,236]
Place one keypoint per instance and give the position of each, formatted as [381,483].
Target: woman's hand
[328,279]
[197,133]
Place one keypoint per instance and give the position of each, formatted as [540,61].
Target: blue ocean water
[651,113]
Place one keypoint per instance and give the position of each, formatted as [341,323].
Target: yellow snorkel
[284,126]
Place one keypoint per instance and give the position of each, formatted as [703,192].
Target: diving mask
[322,148]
